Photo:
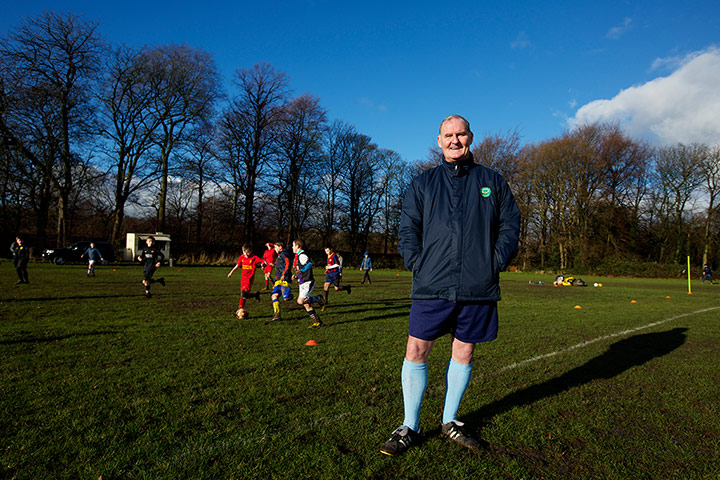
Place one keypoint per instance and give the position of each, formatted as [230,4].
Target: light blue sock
[457,378]
[414,383]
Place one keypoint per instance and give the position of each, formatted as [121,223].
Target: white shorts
[305,289]
[91,262]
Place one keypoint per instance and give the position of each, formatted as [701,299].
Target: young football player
[333,275]
[306,282]
[248,263]
[93,255]
[152,257]
[269,255]
[283,279]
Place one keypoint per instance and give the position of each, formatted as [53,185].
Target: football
[241,314]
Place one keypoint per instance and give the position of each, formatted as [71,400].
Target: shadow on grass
[621,356]
[73,297]
[390,311]
[54,338]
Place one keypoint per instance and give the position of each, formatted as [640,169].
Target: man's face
[328,252]
[455,140]
[149,242]
[247,253]
[296,249]
[278,249]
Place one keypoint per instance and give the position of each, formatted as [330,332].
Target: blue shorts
[333,278]
[469,322]
[283,289]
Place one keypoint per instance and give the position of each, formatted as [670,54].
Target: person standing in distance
[459,229]
[21,257]
[366,265]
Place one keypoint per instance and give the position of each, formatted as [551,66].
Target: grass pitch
[98,381]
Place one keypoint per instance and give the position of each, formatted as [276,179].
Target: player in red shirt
[248,263]
[269,255]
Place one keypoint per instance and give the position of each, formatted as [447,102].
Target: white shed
[135,242]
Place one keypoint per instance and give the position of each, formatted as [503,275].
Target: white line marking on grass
[599,339]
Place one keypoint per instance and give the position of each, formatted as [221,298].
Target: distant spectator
[21,257]
[707,274]
[366,265]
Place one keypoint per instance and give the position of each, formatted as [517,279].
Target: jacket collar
[458,169]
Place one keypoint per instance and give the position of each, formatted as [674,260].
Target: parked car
[72,253]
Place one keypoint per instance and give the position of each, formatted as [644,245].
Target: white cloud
[521,41]
[619,30]
[372,105]
[669,63]
[681,107]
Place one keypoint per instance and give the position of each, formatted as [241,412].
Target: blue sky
[395,69]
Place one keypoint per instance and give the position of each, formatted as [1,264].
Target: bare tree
[129,123]
[501,153]
[247,130]
[710,168]
[337,138]
[199,167]
[232,174]
[300,132]
[187,85]
[677,177]
[361,198]
[49,67]
[392,179]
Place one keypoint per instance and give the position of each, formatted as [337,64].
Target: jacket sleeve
[506,246]
[411,226]
[287,266]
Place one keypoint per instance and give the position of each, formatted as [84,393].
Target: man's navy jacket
[458,230]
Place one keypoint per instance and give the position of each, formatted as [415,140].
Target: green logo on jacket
[485,191]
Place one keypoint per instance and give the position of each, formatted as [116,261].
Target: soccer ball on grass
[241,314]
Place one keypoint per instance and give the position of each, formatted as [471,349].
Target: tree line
[95,135]
[594,196]
[92,131]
